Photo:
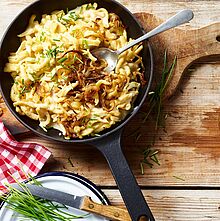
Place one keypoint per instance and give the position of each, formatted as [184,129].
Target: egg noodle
[59,82]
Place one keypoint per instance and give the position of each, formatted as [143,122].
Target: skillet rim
[119,125]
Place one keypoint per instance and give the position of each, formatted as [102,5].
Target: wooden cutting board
[188,45]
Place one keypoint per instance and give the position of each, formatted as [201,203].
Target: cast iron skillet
[109,143]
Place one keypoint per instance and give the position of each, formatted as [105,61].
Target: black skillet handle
[131,193]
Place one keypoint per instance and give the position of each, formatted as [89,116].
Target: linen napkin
[17,159]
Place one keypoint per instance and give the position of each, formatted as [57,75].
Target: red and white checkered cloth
[17,159]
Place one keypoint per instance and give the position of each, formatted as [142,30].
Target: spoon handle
[178,19]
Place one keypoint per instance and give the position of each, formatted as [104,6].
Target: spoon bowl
[111,57]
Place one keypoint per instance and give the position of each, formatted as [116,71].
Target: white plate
[69,183]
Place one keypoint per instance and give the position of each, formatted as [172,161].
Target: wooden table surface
[186,184]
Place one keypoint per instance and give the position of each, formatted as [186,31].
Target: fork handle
[176,20]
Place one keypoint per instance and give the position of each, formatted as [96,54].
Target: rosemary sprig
[155,97]
[150,158]
[34,208]
[155,105]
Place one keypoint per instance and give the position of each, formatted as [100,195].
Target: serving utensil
[84,203]
[111,57]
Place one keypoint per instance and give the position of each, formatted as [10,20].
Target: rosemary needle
[70,161]
[179,178]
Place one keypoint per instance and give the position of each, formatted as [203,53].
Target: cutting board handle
[188,45]
[192,46]
[198,43]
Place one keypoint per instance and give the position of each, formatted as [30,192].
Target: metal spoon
[111,57]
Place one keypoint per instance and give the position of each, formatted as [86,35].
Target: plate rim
[82,180]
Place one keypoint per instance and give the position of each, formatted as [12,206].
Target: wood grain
[189,145]
[10,121]
[191,137]
[178,205]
